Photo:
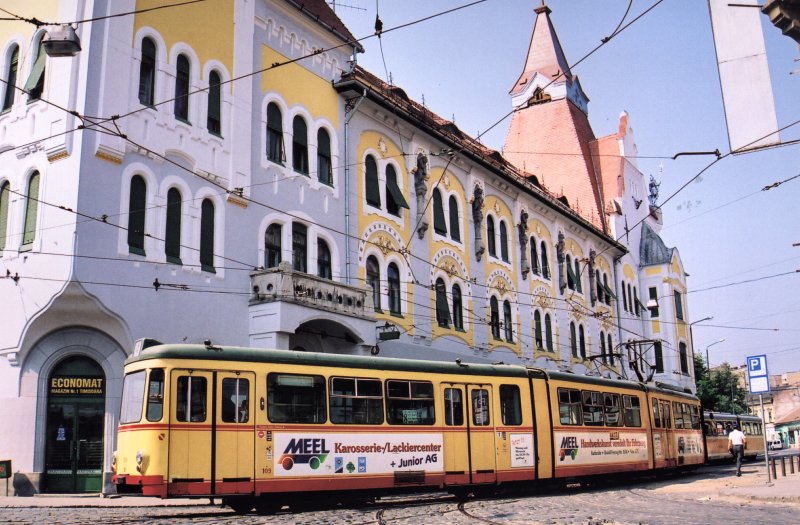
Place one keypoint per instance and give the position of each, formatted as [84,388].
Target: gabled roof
[652,249]
[321,12]
[791,417]
[545,55]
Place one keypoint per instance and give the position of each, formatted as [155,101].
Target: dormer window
[539,97]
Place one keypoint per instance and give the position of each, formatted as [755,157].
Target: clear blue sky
[662,70]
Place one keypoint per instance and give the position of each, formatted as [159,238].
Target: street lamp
[708,363]
[691,337]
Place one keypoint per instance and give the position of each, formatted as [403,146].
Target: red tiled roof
[791,417]
[320,11]
[545,54]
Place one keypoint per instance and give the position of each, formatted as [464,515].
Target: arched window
[624,298]
[275,134]
[442,308]
[545,261]
[610,349]
[182,75]
[599,285]
[578,285]
[393,278]
[214,103]
[455,229]
[5,191]
[324,260]
[371,182]
[374,280]
[534,256]
[458,308]
[490,241]
[272,246]
[573,340]
[147,72]
[630,298]
[299,247]
[548,333]
[603,348]
[172,238]
[35,83]
[439,224]
[503,241]
[570,275]
[684,355]
[207,236]
[606,289]
[136,215]
[324,163]
[394,195]
[537,330]
[581,342]
[11,78]
[300,145]
[494,319]
[508,323]
[636,301]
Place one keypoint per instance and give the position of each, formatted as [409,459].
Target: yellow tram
[258,427]
[717,426]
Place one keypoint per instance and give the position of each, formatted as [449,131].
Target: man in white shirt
[737,441]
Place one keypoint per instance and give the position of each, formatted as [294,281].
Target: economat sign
[597,448]
[327,454]
[76,386]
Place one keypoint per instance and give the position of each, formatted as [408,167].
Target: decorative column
[522,231]
[477,219]
[421,189]
[560,256]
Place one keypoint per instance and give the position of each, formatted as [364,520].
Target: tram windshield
[132,397]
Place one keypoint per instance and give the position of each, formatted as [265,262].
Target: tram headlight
[140,457]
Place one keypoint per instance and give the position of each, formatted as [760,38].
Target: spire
[545,55]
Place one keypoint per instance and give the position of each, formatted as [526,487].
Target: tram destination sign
[77,386]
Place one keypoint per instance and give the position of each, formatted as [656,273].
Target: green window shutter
[609,292]
[439,225]
[11,79]
[207,236]
[4,193]
[172,239]
[455,229]
[31,208]
[36,79]
[371,182]
[324,165]
[570,273]
[503,241]
[136,215]
[442,308]
[394,189]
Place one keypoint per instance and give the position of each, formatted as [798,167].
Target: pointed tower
[549,136]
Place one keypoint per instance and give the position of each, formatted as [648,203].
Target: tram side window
[480,407]
[191,399]
[409,402]
[720,429]
[612,409]
[592,408]
[453,407]
[569,406]
[235,400]
[155,395]
[356,401]
[666,419]
[676,410]
[295,398]
[510,405]
[656,414]
[633,411]
[695,417]
[132,397]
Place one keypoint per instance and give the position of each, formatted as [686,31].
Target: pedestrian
[736,443]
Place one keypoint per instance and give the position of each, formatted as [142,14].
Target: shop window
[293,398]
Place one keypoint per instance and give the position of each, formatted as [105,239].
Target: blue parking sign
[758,374]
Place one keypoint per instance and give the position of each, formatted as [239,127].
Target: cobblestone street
[693,499]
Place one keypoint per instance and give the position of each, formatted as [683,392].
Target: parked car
[775,443]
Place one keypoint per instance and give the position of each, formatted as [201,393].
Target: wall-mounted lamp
[61,41]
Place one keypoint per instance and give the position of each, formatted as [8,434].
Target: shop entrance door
[75,427]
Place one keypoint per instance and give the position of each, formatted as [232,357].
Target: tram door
[669,434]
[190,432]
[480,426]
[455,437]
[235,428]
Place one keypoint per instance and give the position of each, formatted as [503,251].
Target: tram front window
[132,397]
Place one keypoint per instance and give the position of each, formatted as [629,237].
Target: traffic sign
[757,374]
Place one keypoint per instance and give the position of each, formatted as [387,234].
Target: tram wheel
[240,504]
[266,505]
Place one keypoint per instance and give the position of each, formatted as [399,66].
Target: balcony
[283,284]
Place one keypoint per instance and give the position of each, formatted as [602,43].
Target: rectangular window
[132,397]
[190,402]
[453,407]
[654,298]
[633,412]
[695,414]
[510,405]
[155,395]
[676,409]
[659,357]
[235,400]
[409,402]
[356,401]
[295,398]
[612,409]
[656,414]
[480,407]
[678,305]
[299,247]
[592,408]
[666,418]
[569,406]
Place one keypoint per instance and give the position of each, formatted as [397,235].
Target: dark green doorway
[75,427]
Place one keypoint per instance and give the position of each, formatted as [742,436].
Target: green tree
[719,389]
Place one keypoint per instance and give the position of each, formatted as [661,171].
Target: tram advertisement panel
[597,448]
[301,454]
